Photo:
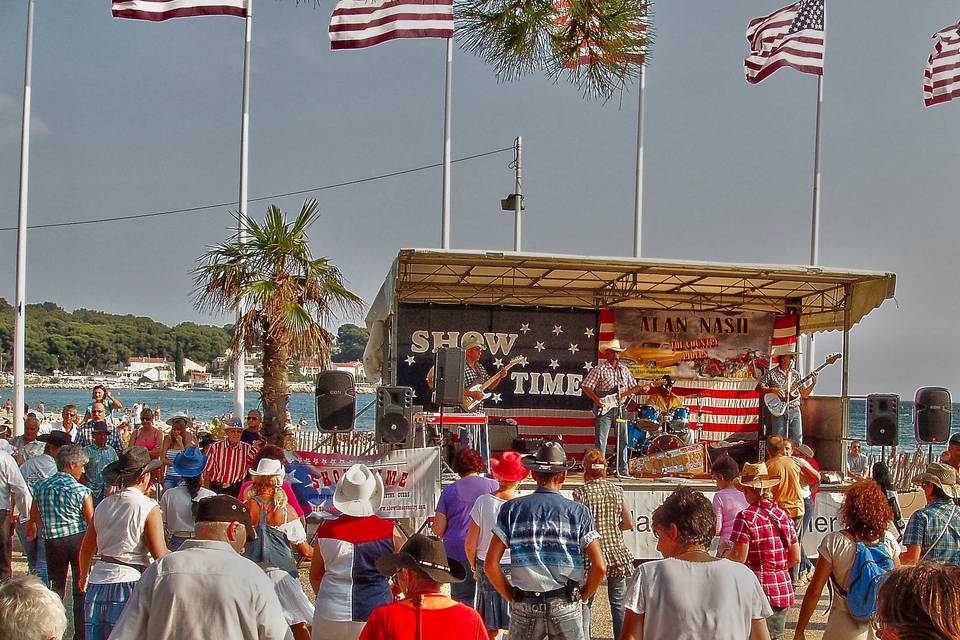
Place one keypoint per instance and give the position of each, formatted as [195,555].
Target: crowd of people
[158,536]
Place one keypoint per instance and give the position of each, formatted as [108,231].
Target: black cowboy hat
[667,380]
[548,458]
[132,463]
[56,438]
[426,555]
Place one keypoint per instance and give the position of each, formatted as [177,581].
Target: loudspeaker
[932,411]
[336,398]
[394,414]
[883,425]
[448,376]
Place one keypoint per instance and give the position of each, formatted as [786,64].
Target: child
[727,502]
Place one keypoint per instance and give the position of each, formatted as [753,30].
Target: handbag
[271,549]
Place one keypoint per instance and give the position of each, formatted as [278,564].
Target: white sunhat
[268,467]
[359,492]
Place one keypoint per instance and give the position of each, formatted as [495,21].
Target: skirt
[296,606]
[102,607]
[492,607]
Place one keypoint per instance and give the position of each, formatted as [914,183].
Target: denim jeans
[789,425]
[777,623]
[616,593]
[805,564]
[602,434]
[35,552]
[551,618]
[465,592]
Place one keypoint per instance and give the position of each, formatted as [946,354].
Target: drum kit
[655,431]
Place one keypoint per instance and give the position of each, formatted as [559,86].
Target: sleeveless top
[171,455]
[120,521]
[150,445]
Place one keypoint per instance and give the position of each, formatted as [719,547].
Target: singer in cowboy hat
[790,424]
[421,568]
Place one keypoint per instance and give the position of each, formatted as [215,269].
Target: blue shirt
[927,524]
[546,534]
[85,438]
[93,470]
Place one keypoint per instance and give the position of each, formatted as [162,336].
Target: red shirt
[228,464]
[398,621]
[768,556]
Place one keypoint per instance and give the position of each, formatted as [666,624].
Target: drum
[636,437]
[679,419]
[648,417]
[663,443]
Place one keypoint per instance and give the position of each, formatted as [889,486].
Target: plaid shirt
[93,470]
[777,377]
[604,378]
[226,464]
[768,556]
[85,437]
[60,500]
[605,501]
[925,527]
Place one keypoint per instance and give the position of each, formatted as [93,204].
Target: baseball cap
[222,508]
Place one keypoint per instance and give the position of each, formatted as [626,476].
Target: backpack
[871,564]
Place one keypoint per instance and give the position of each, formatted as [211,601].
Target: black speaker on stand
[336,401]
[883,425]
[394,415]
[448,376]
[932,413]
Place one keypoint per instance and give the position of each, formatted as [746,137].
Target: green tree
[286,294]
[351,340]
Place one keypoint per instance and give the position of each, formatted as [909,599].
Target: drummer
[661,395]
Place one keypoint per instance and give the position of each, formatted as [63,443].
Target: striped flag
[357,23]
[790,37]
[158,10]
[941,77]
[588,49]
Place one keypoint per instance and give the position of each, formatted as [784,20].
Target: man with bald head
[98,413]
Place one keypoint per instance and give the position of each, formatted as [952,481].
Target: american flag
[357,23]
[157,10]
[790,37]
[941,77]
[588,49]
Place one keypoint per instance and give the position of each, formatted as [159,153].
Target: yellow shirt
[787,492]
[669,403]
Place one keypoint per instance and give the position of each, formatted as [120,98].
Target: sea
[206,405]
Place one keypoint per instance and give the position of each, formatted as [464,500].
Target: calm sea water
[209,404]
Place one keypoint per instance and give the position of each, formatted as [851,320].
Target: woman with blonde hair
[178,440]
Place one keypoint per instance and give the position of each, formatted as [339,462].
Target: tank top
[150,445]
[120,521]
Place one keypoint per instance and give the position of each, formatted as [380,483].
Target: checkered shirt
[60,501]
[604,378]
[777,377]
[605,501]
[85,437]
[471,377]
[93,470]
[925,527]
[767,556]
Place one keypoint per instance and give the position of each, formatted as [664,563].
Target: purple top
[456,501]
[727,503]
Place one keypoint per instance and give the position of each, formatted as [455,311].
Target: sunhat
[190,462]
[472,341]
[268,467]
[754,474]
[805,450]
[132,463]
[548,458]
[940,475]
[100,427]
[179,416]
[234,424]
[426,555]
[613,345]
[509,467]
[359,492]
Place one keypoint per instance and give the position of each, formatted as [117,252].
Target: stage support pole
[844,376]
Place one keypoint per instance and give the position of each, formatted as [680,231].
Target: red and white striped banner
[158,10]
[356,24]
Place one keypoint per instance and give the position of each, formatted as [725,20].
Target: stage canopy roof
[821,294]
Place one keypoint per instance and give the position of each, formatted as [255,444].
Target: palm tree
[284,294]
[597,44]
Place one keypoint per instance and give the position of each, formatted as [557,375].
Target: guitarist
[608,377]
[473,373]
[775,381]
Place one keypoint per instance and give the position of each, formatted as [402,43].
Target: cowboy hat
[190,462]
[472,341]
[613,345]
[268,467]
[359,492]
[755,475]
[548,458]
[56,438]
[423,554]
[132,463]
[222,508]
[940,475]
[509,467]
[805,450]
[785,350]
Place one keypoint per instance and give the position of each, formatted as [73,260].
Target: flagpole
[638,197]
[447,100]
[19,329]
[239,375]
[815,222]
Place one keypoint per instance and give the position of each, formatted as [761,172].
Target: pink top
[287,489]
[149,445]
[727,503]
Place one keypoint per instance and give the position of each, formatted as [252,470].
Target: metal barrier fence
[353,443]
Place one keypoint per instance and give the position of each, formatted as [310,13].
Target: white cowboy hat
[472,341]
[359,492]
[613,345]
[785,350]
[268,467]
[180,416]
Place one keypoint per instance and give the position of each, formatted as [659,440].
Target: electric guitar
[777,406]
[470,403]
[615,399]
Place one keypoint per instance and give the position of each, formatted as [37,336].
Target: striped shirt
[227,464]
[60,501]
[93,470]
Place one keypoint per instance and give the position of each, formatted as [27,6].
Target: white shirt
[683,600]
[58,426]
[36,469]
[120,521]
[177,508]
[205,590]
[484,513]
[12,480]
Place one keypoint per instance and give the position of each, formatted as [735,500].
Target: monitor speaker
[932,410]
[448,376]
[883,424]
[336,398]
[394,415]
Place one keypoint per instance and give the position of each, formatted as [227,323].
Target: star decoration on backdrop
[587,366]
[573,348]
[557,329]
[496,398]
[588,332]
[498,363]
[523,361]
[539,347]
[524,328]
[411,360]
[554,364]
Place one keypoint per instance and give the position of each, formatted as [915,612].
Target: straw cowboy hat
[472,341]
[179,416]
[785,350]
[548,458]
[509,467]
[755,475]
[359,492]
[613,345]
[426,555]
[940,475]
[805,450]
[132,463]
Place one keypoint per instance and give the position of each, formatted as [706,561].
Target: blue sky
[131,117]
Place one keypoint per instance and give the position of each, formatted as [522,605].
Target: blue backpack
[870,566]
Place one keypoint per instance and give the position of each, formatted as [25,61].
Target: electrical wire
[172,212]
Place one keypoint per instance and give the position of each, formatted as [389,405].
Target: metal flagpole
[518,196]
[638,199]
[815,223]
[447,100]
[19,329]
[239,382]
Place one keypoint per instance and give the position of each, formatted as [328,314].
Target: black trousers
[6,544]
[61,554]
[226,489]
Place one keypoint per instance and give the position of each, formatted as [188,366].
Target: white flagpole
[447,100]
[815,223]
[19,329]
[638,197]
[239,383]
